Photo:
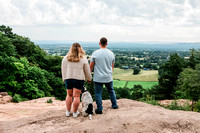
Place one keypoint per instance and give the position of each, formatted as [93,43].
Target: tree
[137,92]
[25,69]
[168,75]
[188,82]
[6,47]
[192,61]
[7,31]
[136,70]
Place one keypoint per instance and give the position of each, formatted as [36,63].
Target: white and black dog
[87,103]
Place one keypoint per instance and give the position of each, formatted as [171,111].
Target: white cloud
[122,20]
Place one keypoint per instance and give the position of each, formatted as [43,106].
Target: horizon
[145,42]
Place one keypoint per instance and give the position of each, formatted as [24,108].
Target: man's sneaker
[76,114]
[115,107]
[67,113]
[98,112]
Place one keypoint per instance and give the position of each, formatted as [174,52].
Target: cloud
[119,12]
[151,19]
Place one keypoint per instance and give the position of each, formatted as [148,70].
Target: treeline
[26,71]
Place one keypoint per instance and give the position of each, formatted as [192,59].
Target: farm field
[145,84]
[146,78]
[130,84]
[127,75]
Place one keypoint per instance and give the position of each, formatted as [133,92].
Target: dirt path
[132,116]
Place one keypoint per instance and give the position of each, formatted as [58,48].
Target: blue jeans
[98,94]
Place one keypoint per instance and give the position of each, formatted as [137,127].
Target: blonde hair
[75,53]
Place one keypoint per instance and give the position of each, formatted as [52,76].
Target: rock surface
[37,116]
[4,93]
[5,98]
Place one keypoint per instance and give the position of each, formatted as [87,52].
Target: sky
[117,20]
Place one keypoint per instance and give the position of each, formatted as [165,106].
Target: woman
[75,69]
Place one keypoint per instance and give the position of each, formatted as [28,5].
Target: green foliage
[25,69]
[197,106]
[105,94]
[37,74]
[189,83]
[150,66]
[192,61]
[168,75]
[90,88]
[137,92]
[157,91]
[6,47]
[144,84]
[57,85]
[150,100]
[30,90]
[7,31]
[53,64]
[122,92]
[136,70]
[179,95]
[16,98]
[50,101]
[119,83]
[175,106]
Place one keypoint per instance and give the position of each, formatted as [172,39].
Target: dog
[87,104]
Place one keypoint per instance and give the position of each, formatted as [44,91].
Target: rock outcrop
[5,98]
[37,116]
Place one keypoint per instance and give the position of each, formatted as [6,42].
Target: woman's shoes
[76,114]
[67,113]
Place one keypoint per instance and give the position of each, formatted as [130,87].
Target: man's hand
[89,82]
[113,65]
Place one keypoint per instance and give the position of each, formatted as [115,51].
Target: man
[102,61]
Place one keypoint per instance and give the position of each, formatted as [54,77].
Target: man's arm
[91,66]
[113,64]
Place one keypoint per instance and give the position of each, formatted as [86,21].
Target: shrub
[49,101]
[136,70]
[122,92]
[197,106]
[175,106]
[150,100]
[137,92]
[16,98]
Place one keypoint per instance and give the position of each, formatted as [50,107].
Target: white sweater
[76,70]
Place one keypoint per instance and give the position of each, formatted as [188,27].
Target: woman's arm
[63,68]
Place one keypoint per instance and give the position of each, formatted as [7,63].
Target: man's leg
[111,91]
[98,95]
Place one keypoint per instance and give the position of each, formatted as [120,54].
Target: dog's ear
[89,109]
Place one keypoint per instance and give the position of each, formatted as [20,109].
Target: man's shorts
[74,83]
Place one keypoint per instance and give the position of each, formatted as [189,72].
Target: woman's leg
[69,99]
[76,102]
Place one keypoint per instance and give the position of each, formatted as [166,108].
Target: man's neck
[102,47]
